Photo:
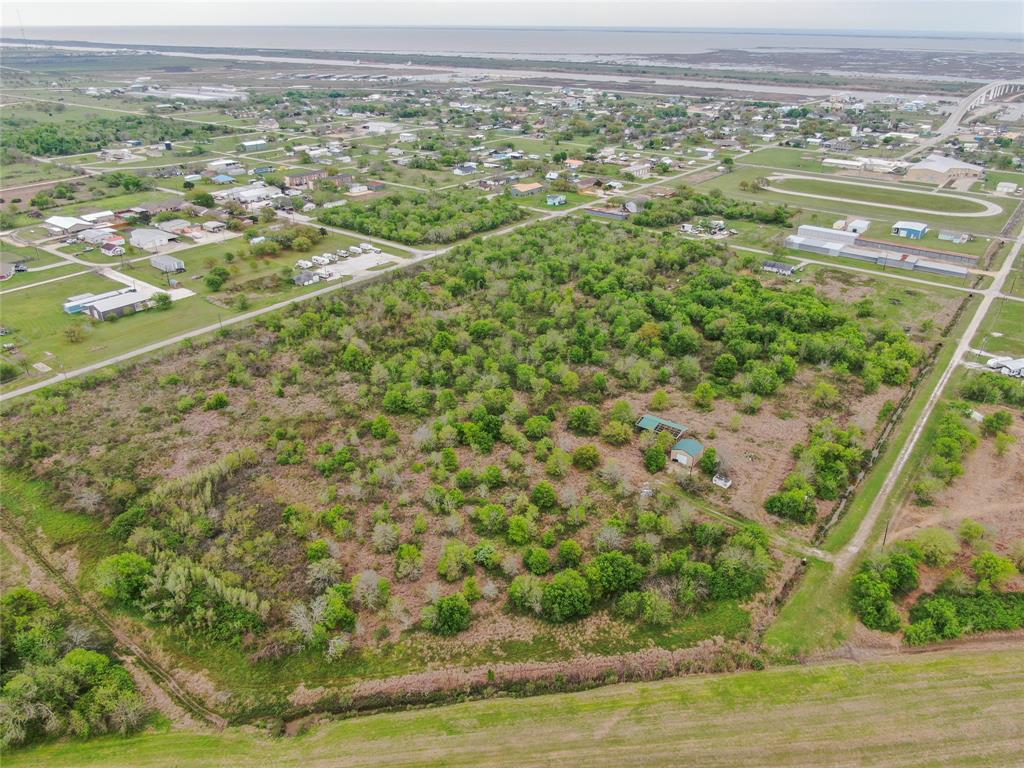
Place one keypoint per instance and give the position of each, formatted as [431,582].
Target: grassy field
[961,708]
[30,172]
[37,324]
[788,159]
[886,195]
[1006,318]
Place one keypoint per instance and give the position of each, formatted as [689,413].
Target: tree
[655,459]
[75,334]
[613,572]
[872,602]
[161,301]
[566,597]
[123,577]
[725,366]
[708,462]
[448,616]
[203,199]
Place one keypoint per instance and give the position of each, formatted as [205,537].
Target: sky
[957,17]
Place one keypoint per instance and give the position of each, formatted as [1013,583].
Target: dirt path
[849,553]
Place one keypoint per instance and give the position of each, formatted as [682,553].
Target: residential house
[527,189]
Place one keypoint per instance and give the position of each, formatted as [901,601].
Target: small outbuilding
[914,230]
[687,451]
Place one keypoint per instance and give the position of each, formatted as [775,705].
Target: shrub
[566,597]
[971,532]
[408,562]
[537,427]
[520,530]
[648,606]
[544,496]
[456,560]
[216,402]
[570,553]
[385,537]
[525,593]
[584,420]
[316,550]
[996,423]
[617,433]
[937,545]
[537,560]
[993,569]
[586,457]
[448,616]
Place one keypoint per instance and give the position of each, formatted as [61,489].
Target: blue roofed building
[687,451]
[914,230]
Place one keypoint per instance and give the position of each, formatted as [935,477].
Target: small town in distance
[503,396]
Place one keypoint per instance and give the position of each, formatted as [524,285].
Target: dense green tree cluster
[53,681]
[415,218]
[991,387]
[690,204]
[826,465]
[76,137]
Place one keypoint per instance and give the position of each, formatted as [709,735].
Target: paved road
[418,256]
[849,554]
[952,124]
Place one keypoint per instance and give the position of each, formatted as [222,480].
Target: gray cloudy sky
[897,16]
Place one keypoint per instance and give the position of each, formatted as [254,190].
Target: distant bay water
[510,42]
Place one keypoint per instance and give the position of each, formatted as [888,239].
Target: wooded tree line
[73,137]
[414,218]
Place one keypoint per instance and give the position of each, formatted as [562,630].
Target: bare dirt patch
[989,491]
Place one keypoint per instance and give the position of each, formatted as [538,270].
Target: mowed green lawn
[38,322]
[887,195]
[1002,330]
[951,708]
